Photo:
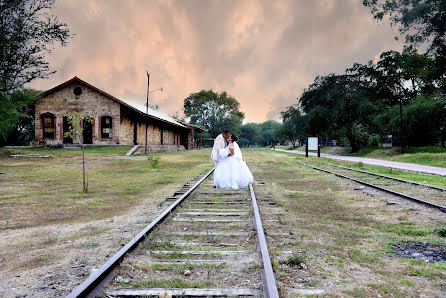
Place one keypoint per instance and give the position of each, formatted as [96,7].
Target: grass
[429,155]
[400,174]
[172,283]
[36,192]
[180,268]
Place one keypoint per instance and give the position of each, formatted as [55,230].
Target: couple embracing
[231,172]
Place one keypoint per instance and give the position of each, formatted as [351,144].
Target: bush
[296,259]
[374,140]
[154,160]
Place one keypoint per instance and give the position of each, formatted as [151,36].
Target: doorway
[88,133]
[66,128]
[135,134]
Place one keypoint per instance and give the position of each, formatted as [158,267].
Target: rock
[303,266]
[120,279]
[390,203]
[360,187]
[187,273]
[165,295]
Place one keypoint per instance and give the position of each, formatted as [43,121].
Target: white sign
[312,143]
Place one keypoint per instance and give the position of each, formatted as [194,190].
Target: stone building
[115,121]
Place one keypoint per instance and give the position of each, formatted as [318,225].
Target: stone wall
[126,131]
[64,101]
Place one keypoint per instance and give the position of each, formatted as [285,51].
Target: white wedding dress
[232,172]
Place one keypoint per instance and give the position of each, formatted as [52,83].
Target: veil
[237,152]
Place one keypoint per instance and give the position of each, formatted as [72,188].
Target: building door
[66,125]
[135,134]
[88,133]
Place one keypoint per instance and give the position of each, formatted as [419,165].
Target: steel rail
[384,176]
[395,193]
[94,284]
[268,279]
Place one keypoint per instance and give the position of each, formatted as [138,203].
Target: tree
[28,31]
[214,111]
[18,108]
[250,134]
[268,133]
[421,21]
[76,128]
[337,105]
[294,125]
[418,20]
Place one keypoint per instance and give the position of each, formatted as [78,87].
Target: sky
[262,52]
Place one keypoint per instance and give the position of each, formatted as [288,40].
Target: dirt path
[380,162]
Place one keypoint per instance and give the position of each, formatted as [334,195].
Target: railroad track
[208,242]
[428,195]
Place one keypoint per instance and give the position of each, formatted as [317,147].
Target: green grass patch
[172,283]
[180,268]
[36,192]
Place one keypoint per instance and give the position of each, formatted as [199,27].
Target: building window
[77,91]
[48,127]
[106,127]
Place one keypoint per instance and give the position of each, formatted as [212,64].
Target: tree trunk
[83,157]
[351,138]
[83,168]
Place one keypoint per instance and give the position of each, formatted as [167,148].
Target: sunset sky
[264,53]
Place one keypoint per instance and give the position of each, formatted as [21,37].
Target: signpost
[313,145]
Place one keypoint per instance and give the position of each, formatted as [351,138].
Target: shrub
[374,140]
[440,232]
[296,259]
[154,160]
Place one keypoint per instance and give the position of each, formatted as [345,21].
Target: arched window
[106,127]
[49,127]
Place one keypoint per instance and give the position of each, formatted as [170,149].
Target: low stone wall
[158,148]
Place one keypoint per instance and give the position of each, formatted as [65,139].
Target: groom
[219,143]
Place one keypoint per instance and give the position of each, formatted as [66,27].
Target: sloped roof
[196,127]
[135,107]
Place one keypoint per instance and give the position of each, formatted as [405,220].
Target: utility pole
[401,118]
[147,109]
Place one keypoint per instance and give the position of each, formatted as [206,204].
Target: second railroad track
[430,196]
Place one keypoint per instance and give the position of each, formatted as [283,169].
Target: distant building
[115,121]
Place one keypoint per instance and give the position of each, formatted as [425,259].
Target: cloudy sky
[262,52]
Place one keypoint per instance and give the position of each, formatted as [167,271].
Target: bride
[232,172]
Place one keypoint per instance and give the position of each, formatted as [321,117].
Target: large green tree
[28,32]
[294,125]
[19,109]
[268,132]
[419,20]
[337,106]
[214,111]
[250,134]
